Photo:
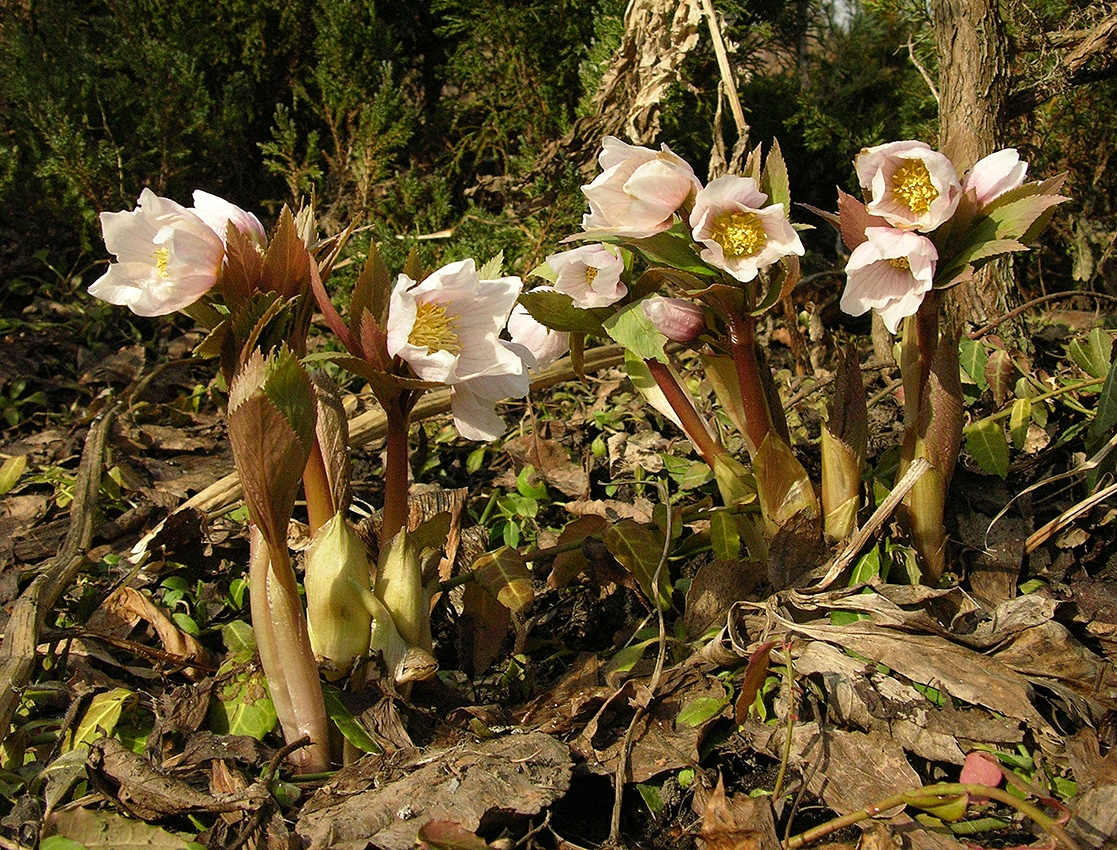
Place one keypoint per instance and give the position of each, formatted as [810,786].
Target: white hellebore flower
[448,327]
[219,214]
[741,235]
[890,273]
[590,275]
[912,187]
[994,175]
[638,191]
[167,257]
[545,344]
[473,402]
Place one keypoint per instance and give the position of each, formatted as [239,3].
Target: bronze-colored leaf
[504,574]
[639,548]
[286,267]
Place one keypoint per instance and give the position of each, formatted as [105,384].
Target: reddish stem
[754,401]
[320,505]
[394,515]
[692,423]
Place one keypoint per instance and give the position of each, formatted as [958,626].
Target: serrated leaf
[492,268]
[286,267]
[972,357]
[986,443]
[504,574]
[371,292]
[1092,354]
[100,718]
[774,181]
[631,327]
[854,218]
[725,537]
[639,549]
[11,472]
[1019,420]
[999,370]
[557,311]
[672,248]
[347,724]
[1016,219]
[700,711]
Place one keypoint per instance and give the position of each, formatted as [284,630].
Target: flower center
[162,255]
[911,186]
[900,263]
[591,274]
[435,330]
[740,234]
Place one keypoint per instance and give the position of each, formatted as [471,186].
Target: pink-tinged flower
[473,402]
[741,235]
[994,175]
[167,257]
[545,344]
[219,214]
[676,318]
[448,327]
[638,191]
[912,187]
[890,272]
[590,275]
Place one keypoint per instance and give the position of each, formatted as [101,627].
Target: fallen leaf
[740,823]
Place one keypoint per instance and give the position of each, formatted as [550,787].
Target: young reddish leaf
[999,372]
[755,674]
[854,219]
[287,262]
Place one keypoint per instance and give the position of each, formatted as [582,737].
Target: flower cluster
[921,226]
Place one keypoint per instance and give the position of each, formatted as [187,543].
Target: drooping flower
[448,327]
[912,187]
[740,233]
[994,175]
[473,401]
[219,213]
[590,275]
[676,318]
[890,272]
[167,257]
[545,344]
[638,191]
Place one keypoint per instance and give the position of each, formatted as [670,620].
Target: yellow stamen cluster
[740,234]
[911,186]
[900,263]
[435,330]
[162,256]
[591,274]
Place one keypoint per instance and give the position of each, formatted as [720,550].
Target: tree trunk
[973,89]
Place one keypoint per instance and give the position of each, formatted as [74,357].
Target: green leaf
[557,311]
[672,248]
[631,327]
[774,181]
[725,536]
[1101,429]
[639,548]
[100,719]
[239,639]
[243,706]
[504,574]
[701,711]
[347,724]
[986,443]
[999,370]
[1019,421]
[1092,354]
[107,830]
[973,358]
[57,842]
[11,471]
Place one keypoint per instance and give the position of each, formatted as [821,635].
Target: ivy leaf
[986,443]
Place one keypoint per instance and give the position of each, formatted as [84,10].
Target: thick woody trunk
[973,88]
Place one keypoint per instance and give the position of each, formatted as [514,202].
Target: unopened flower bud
[337,582]
[675,318]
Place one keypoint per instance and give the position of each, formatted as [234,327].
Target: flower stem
[394,515]
[316,487]
[754,401]
[285,653]
[692,423]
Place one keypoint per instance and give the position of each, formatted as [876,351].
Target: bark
[973,90]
